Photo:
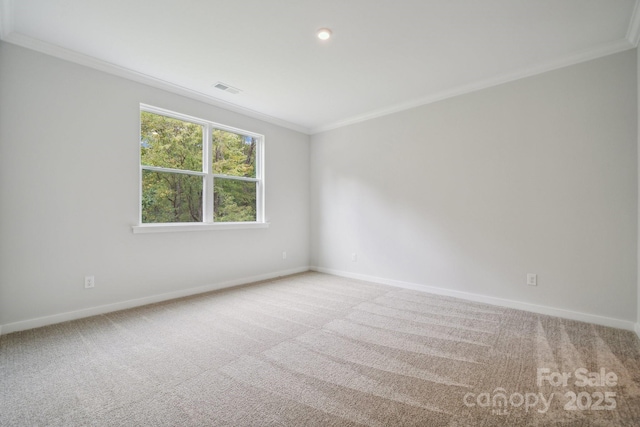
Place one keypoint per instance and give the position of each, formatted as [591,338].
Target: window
[195,171]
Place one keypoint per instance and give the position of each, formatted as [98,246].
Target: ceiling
[384,56]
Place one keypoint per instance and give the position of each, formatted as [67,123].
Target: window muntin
[195,171]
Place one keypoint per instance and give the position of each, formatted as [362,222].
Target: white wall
[69,195]
[468,194]
[471,193]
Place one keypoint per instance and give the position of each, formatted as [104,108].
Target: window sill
[185,226]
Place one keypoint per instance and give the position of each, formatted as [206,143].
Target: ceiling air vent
[225,87]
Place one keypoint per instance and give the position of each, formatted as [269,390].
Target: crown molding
[587,55]
[633,33]
[8,35]
[107,67]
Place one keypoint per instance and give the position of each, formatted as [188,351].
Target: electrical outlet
[284,254]
[89,282]
[532,279]
[354,257]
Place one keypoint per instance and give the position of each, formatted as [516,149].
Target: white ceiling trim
[107,67]
[7,34]
[598,52]
[633,33]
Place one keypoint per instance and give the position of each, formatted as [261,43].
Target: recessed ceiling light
[324,33]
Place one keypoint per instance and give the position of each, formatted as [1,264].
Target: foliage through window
[198,171]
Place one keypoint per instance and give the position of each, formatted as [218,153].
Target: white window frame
[208,222]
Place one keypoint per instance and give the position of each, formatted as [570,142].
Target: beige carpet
[317,350]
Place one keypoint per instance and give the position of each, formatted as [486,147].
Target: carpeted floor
[318,350]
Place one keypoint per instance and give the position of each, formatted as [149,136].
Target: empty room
[319,213]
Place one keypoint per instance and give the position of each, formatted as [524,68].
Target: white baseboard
[92,311]
[107,308]
[540,309]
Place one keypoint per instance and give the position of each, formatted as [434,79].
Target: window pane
[233,154]
[170,143]
[234,201]
[171,197]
